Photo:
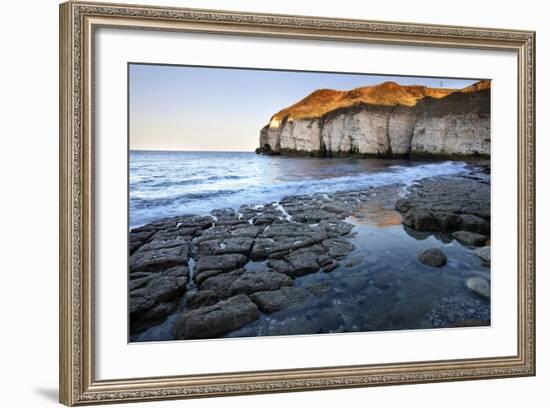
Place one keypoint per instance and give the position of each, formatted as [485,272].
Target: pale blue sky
[202,109]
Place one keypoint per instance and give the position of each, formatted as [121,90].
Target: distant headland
[385,120]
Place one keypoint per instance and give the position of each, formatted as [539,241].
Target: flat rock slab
[433,257]
[153,296]
[224,231]
[225,262]
[275,300]
[256,281]
[302,263]
[158,260]
[223,246]
[447,204]
[165,241]
[285,237]
[470,238]
[221,282]
[337,247]
[216,320]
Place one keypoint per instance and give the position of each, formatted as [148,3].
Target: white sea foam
[163,185]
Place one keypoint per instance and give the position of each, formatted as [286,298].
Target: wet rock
[418,235]
[151,298]
[469,238]
[220,262]
[220,232]
[293,229]
[336,228]
[141,234]
[150,317]
[284,238]
[479,285]
[139,275]
[227,217]
[202,298]
[433,257]
[200,277]
[214,233]
[484,253]
[163,240]
[138,283]
[447,221]
[256,281]
[335,208]
[303,262]
[280,265]
[473,223]
[338,247]
[193,221]
[275,300]
[246,230]
[266,218]
[403,205]
[139,237]
[310,210]
[216,320]
[324,260]
[157,260]
[233,245]
[420,219]
[447,204]
[133,246]
[221,283]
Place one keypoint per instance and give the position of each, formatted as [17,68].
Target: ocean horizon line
[190,151]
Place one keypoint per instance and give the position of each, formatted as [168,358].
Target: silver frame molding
[78,22]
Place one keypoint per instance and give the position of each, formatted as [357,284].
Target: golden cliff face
[324,101]
[384,120]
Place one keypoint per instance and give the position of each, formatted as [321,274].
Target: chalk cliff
[384,120]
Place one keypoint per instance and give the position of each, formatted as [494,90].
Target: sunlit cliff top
[323,101]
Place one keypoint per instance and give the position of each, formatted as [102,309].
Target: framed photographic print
[262,203]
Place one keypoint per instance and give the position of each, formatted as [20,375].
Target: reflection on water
[382,286]
[376,215]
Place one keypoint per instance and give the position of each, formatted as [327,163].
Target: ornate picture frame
[78,24]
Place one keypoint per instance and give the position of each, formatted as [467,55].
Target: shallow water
[165,184]
[382,286]
[379,286]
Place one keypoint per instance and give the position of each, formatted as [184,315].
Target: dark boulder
[470,238]
[216,320]
[275,300]
[433,257]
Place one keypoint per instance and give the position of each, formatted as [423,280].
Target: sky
[223,109]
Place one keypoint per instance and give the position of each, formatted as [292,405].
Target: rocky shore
[223,273]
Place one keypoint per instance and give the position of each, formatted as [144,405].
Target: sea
[169,183]
[379,286]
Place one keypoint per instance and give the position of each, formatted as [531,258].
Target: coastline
[260,270]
